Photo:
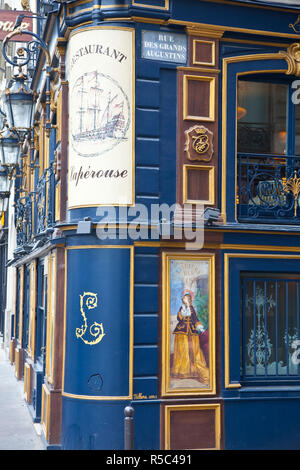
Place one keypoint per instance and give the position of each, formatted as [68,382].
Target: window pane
[270,327]
[262,117]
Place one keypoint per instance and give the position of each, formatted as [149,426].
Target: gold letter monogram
[89,301]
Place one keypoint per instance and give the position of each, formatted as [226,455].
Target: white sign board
[101,117]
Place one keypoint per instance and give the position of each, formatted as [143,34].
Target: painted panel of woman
[189,360]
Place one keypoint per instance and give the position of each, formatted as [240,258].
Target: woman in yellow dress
[188,360]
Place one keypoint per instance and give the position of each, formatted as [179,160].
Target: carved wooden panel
[197,136]
[198,184]
[204,52]
[196,426]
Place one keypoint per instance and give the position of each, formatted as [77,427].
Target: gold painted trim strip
[233,246]
[249,231]
[167,418]
[220,246]
[221,29]
[51,316]
[207,30]
[26,389]
[45,419]
[145,5]
[32,310]
[96,397]
[131,323]
[256,5]
[194,28]
[227,257]
[165,382]
[21,304]
[260,43]
[94,7]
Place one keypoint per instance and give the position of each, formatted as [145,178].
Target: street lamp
[19,98]
[18,103]
[4,182]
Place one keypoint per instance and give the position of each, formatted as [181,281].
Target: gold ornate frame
[165,373]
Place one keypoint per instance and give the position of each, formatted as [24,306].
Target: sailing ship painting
[100,114]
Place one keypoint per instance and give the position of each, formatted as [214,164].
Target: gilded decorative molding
[57,163]
[292,185]
[54,86]
[292,57]
[25,5]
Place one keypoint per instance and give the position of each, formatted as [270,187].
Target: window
[268,150]
[41,313]
[270,327]
[17,314]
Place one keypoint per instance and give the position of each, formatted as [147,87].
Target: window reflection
[270,325]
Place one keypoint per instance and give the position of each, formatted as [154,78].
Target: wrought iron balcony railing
[268,189]
[23,220]
[35,212]
[45,201]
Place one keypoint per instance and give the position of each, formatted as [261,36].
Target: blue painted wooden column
[98,359]
[98,331]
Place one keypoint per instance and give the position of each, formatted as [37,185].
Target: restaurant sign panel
[101,136]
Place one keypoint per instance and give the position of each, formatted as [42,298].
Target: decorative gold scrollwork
[200,142]
[292,185]
[292,56]
[296,26]
[95,333]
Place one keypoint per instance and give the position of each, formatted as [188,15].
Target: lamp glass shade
[5,203]
[10,148]
[2,119]
[18,101]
